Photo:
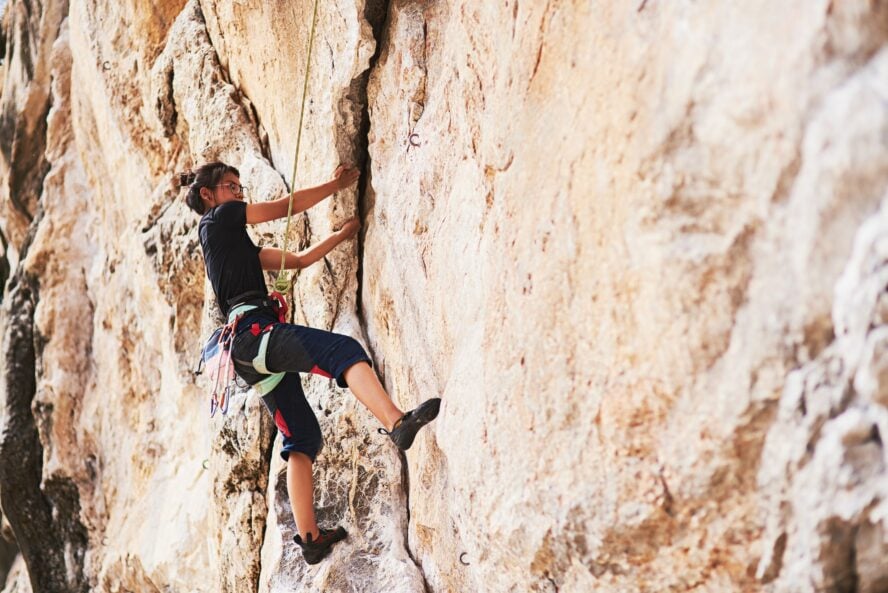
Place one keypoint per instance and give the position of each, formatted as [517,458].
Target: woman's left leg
[296,348]
[364,383]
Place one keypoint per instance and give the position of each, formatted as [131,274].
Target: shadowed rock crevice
[405,484]
[4,265]
[45,519]
[8,550]
[23,111]
[29,166]
[378,14]
[4,19]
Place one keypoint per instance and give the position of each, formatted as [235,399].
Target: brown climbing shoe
[406,428]
[315,550]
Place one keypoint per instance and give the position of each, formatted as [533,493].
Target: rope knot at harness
[280,305]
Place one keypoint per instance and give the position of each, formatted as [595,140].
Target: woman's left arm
[302,199]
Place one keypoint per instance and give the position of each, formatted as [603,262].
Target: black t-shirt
[230,256]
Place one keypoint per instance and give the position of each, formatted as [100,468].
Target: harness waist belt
[239,310]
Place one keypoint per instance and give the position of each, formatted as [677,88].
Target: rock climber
[235,267]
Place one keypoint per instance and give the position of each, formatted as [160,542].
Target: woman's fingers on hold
[351,226]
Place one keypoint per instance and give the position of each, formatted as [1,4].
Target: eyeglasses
[235,188]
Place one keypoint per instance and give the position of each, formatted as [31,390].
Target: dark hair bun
[208,175]
[186,178]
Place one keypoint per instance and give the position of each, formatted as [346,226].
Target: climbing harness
[282,282]
[216,354]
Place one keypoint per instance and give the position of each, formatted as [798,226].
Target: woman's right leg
[300,488]
[302,440]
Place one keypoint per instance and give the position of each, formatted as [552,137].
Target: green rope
[282,283]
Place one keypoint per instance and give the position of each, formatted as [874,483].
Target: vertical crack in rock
[377,14]
[4,265]
[44,518]
[405,484]
[3,35]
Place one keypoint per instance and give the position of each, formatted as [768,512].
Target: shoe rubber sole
[425,413]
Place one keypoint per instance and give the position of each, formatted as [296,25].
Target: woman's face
[228,189]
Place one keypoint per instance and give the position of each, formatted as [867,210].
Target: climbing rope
[282,282]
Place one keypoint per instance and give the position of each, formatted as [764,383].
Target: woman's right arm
[270,257]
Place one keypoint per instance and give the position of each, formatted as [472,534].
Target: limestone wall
[637,248]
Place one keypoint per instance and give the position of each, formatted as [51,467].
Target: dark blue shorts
[293,349]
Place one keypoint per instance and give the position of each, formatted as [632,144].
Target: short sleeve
[232,215]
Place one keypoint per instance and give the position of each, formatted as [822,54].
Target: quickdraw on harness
[217,357]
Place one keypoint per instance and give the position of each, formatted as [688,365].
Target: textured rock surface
[613,323]
[824,479]
[30,29]
[637,248]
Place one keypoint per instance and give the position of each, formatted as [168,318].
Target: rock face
[638,249]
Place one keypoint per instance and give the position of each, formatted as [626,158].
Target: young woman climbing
[264,348]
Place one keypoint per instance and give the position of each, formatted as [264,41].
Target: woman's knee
[354,367]
[308,443]
[350,348]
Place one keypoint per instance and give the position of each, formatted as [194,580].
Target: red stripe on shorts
[282,426]
[319,371]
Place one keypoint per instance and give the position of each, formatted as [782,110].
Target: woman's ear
[206,194]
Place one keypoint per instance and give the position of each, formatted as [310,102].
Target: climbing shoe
[314,550]
[406,428]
